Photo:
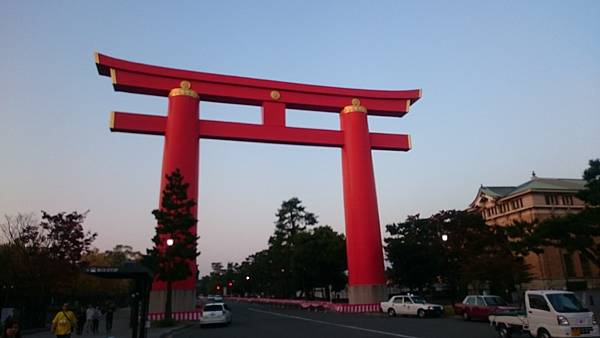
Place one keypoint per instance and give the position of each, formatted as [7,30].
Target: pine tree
[591,193]
[175,220]
[292,218]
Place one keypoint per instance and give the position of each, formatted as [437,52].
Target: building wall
[548,269]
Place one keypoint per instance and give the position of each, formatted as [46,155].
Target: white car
[411,305]
[215,313]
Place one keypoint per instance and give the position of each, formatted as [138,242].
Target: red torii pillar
[363,237]
[182,129]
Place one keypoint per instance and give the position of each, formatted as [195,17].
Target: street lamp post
[168,303]
[247,289]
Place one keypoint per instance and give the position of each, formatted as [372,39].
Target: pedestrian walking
[11,329]
[80,320]
[96,320]
[109,318]
[89,316]
[64,322]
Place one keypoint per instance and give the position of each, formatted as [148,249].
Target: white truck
[548,313]
[410,305]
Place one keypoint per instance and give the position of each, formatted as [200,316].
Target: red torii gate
[182,129]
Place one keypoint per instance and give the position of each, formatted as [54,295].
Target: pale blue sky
[508,87]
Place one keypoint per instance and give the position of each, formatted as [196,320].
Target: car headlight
[562,320]
[429,308]
[594,320]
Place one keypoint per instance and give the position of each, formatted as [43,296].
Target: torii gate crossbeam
[182,130]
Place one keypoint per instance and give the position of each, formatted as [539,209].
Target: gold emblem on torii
[355,107]
[184,89]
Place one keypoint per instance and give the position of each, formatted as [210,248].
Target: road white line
[333,324]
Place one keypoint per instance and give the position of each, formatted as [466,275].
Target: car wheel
[421,313]
[543,334]
[504,332]
[391,313]
[466,316]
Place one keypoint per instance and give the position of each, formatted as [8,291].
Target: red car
[480,307]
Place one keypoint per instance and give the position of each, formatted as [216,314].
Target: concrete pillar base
[367,294]
[182,301]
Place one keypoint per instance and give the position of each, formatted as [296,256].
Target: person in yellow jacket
[64,322]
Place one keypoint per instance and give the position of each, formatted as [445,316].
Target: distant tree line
[300,257]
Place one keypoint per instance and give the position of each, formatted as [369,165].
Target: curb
[169,333]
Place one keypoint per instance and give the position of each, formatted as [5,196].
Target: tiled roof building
[539,199]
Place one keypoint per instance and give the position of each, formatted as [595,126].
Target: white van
[548,313]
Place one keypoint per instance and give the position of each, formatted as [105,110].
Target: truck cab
[548,313]
[553,313]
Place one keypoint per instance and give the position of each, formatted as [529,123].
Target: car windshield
[418,300]
[213,307]
[566,302]
[494,301]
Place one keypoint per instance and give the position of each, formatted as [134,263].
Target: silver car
[215,313]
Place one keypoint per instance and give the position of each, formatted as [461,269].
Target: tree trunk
[168,309]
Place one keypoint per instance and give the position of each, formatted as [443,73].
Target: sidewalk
[120,329]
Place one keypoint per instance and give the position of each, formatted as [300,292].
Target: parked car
[411,305]
[480,307]
[549,313]
[215,313]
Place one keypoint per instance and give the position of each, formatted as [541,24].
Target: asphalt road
[250,320]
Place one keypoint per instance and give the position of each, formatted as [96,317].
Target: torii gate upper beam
[140,78]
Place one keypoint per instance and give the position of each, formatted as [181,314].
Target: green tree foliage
[475,254]
[591,193]
[64,236]
[41,260]
[319,259]
[292,218]
[572,232]
[175,220]
[414,250]
[297,259]
[121,254]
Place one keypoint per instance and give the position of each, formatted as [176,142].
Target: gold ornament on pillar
[184,89]
[355,107]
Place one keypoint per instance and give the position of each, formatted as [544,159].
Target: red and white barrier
[357,308]
[187,316]
[309,305]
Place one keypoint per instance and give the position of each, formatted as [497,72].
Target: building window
[569,265]
[514,204]
[585,266]
[567,200]
[551,199]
